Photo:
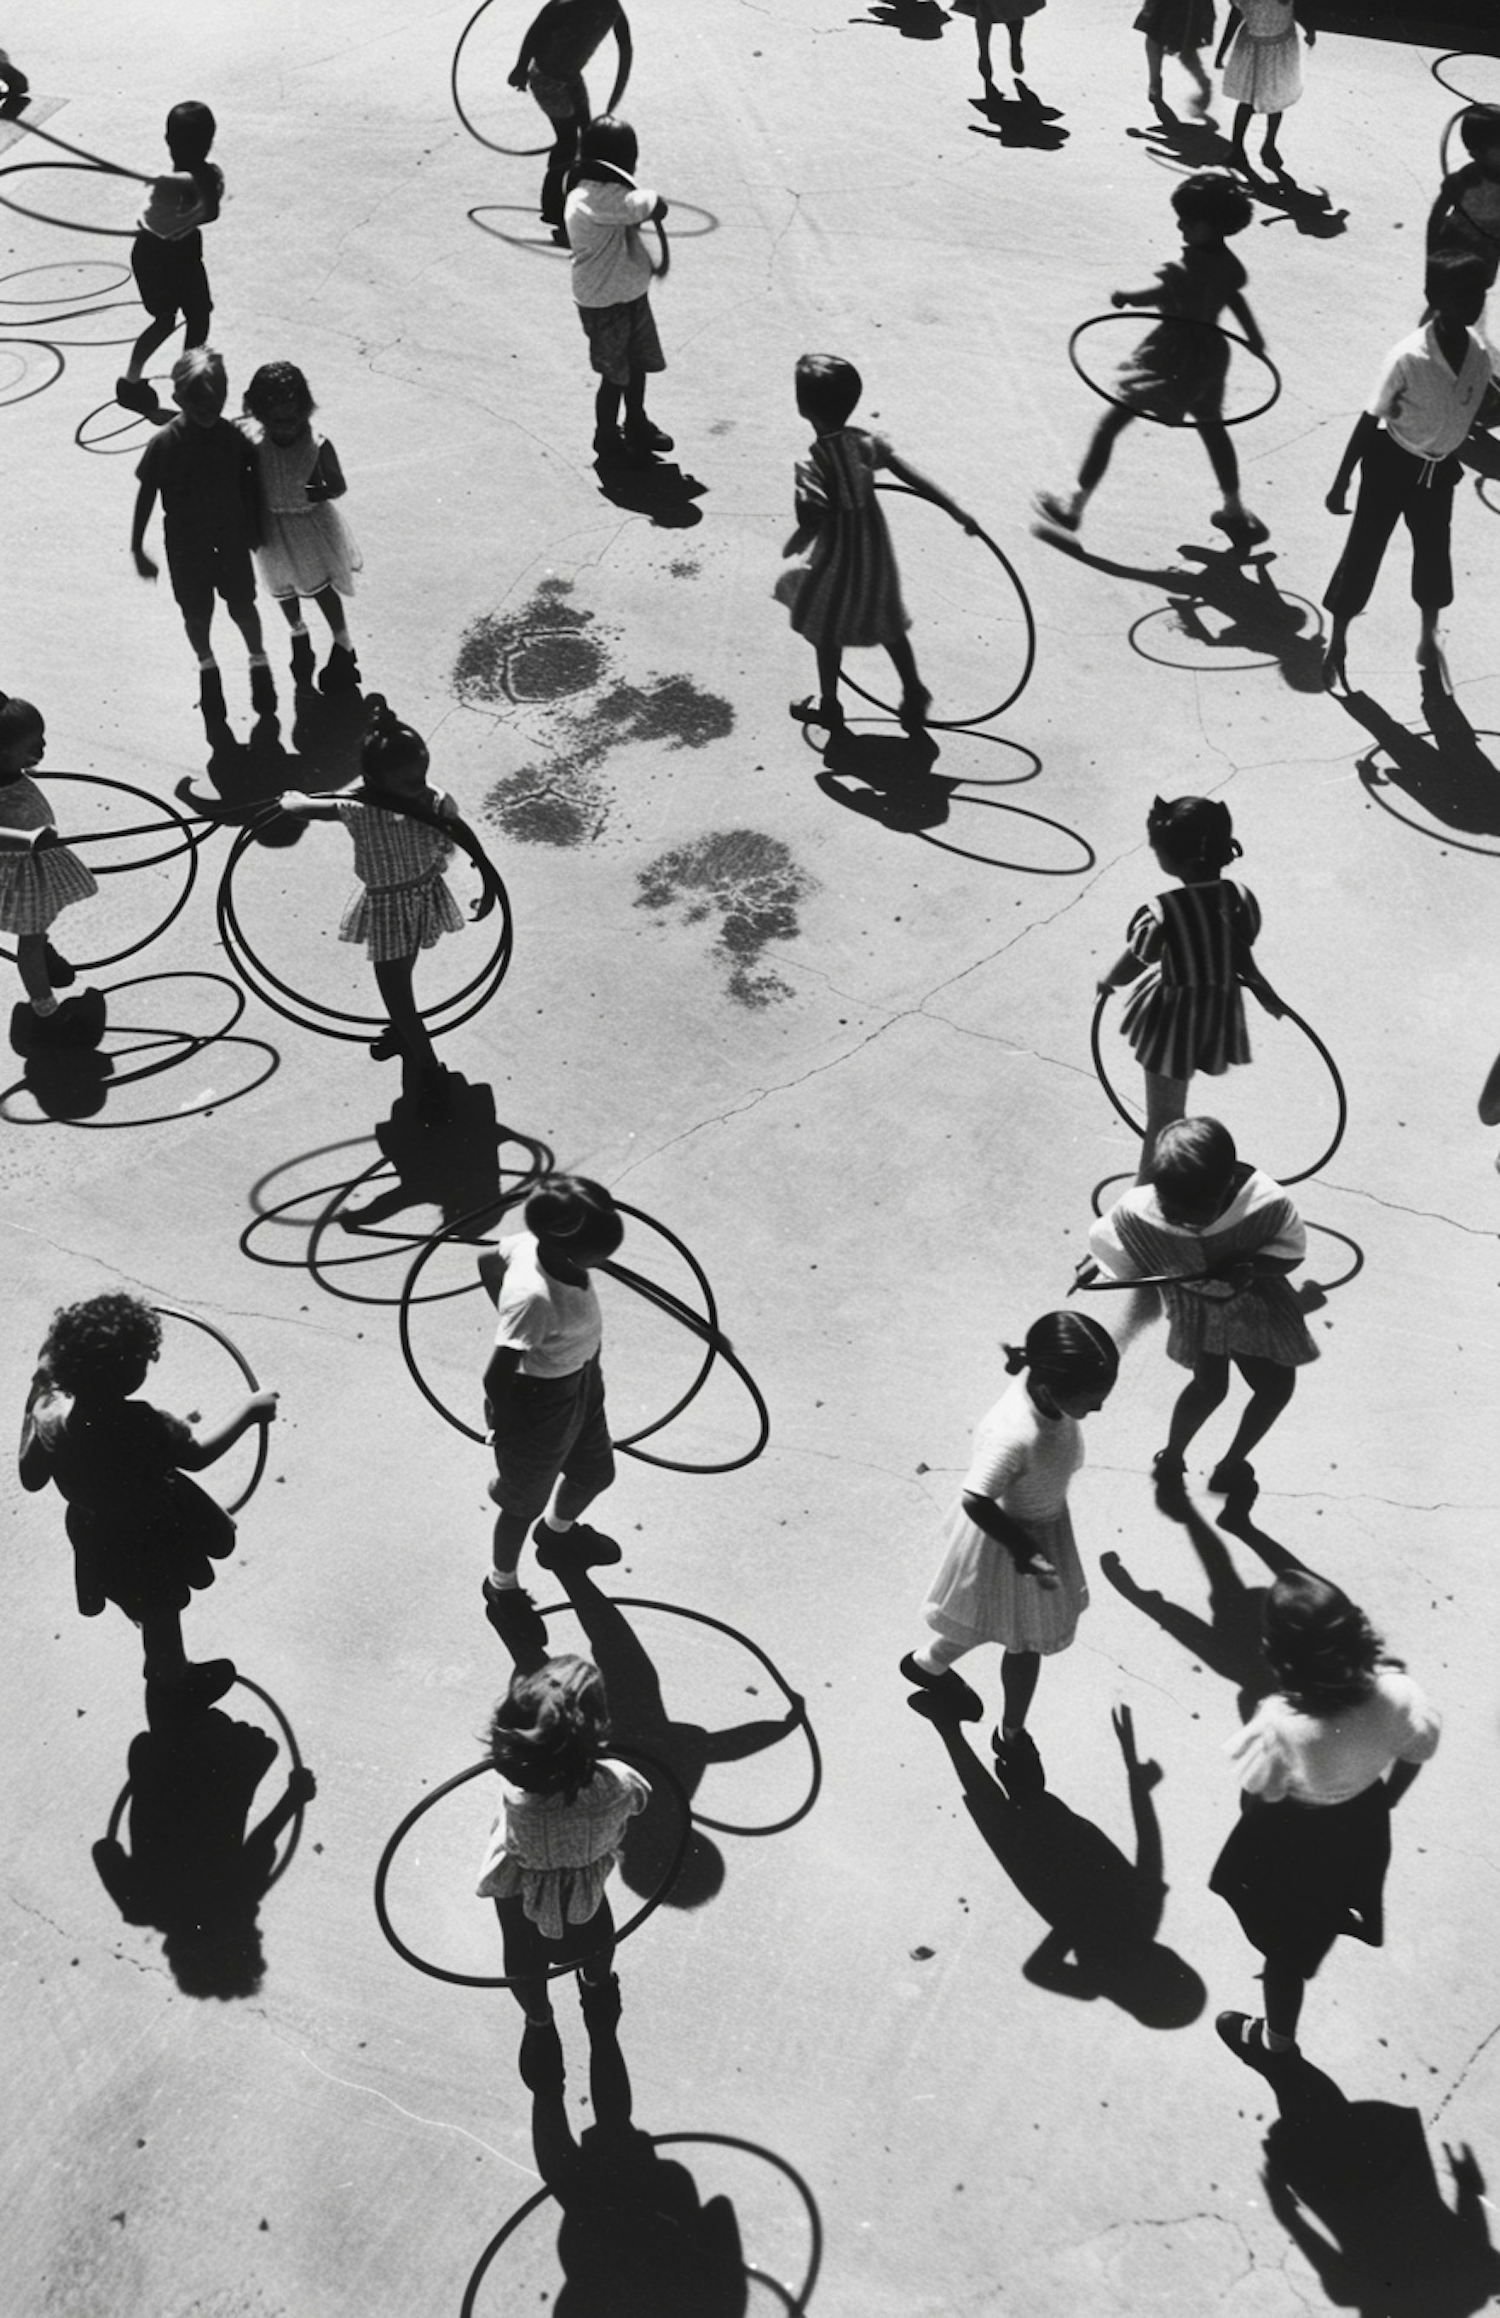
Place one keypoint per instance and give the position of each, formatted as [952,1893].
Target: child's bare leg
[1065,508]
[1153,69]
[1271,1384]
[1269,150]
[155,334]
[830,662]
[200,627]
[394,979]
[1226,466]
[331,604]
[1166,1099]
[1192,64]
[1197,1401]
[511,1532]
[1017,61]
[1284,1988]
[247,619]
[915,697]
[31,965]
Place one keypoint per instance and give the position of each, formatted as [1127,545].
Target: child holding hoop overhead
[1189,954]
[1322,1764]
[612,278]
[1264,73]
[1011,1573]
[847,596]
[1178,372]
[143,1534]
[167,255]
[39,878]
[559,42]
[565,1806]
[307,549]
[1205,1212]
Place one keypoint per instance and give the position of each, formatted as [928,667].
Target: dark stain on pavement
[751,883]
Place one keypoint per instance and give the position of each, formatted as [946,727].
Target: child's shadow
[895,781]
[1228,1641]
[913,19]
[1308,207]
[1103,1911]
[1447,774]
[1354,2186]
[1257,616]
[327,733]
[660,491]
[1022,120]
[452,1164]
[1199,143]
[192,1871]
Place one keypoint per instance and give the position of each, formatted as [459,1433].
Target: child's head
[1071,1357]
[550,1728]
[1214,203]
[1192,837]
[1192,1169]
[1458,282]
[1480,131]
[608,148]
[575,1216]
[1320,1646]
[828,389]
[280,397]
[392,755]
[103,1347]
[190,134]
[23,737]
[200,385]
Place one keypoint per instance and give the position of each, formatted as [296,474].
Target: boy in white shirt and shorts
[611,281]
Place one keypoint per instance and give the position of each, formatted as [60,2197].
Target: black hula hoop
[623,1931]
[55,265]
[65,224]
[325,1020]
[1476,224]
[172,1312]
[1139,314]
[519,152]
[294,1763]
[1452,57]
[1137,1126]
[962,723]
[190,849]
[9,401]
[81,153]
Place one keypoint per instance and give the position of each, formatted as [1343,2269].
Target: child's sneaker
[139,395]
[262,688]
[577,1548]
[515,1617]
[304,661]
[1062,514]
[341,671]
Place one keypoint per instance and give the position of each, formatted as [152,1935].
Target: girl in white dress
[1264,72]
[1011,1573]
[307,548]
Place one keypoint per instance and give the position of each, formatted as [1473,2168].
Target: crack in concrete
[1464,2074]
[1422,1214]
[351,2085]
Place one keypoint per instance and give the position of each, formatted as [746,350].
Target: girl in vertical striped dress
[1188,954]
[847,596]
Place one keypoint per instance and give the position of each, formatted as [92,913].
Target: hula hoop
[1137,1126]
[1452,57]
[623,1931]
[1478,225]
[522,152]
[1136,315]
[9,401]
[96,443]
[172,1312]
[81,152]
[990,715]
[325,1020]
[294,1763]
[65,224]
[190,1041]
[54,265]
[190,849]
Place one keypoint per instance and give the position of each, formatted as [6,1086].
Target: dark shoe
[601,2002]
[340,672]
[577,1548]
[515,1617]
[386,1047]
[263,688]
[1018,1766]
[946,1695]
[560,236]
[811,710]
[1242,531]
[1060,513]
[1234,1477]
[59,973]
[1245,2038]
[540,2060]
[1169,1478]
[304,662]
[138,395]
[646,437]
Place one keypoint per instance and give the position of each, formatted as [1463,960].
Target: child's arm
[327,478]
[1366,428]
[1148,297]
[145,500]
[1231,27]
[34,1459]
[1018,1542]
[522,65]
[1239,307]
[1125,969]
[309,808]
[916,482]
[207,1448]
[503,1369]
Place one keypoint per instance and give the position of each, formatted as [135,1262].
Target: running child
[143,1534]
[1189,954]
[306,547]
[39,878]
[612,278]
[203,470]
[544,1395]
[167,254]
[1012,14]
[1206,1213]
[1011,1573]
[1178,372]
[1405,444]
[559,43]
[1177,28]
[1264,72]
[847,596]
[565,1806]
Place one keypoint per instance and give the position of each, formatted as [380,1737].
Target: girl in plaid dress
[39,877]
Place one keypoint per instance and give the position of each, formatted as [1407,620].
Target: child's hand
[1336,503]
[317,489]
[1117,299]
[1103,986]
[301,1786]
[517,79]
[263,1406]
[968,522]
[1036,1565]
[1085,1272]
[143,564]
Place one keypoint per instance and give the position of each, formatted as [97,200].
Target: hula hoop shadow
[896,764]
[524,152]
[1260,617]
[100,444]
[1312,1295]
[70,1085]
[484,1768]
[8,398]
[1444,771]
[294,1759]
[1138,1126]
[119,277]
[989,715]
[540,245]
[1140,409]
[263,1432]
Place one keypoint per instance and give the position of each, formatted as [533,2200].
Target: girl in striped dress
[1188,953]
[39,878]
[847,595]
[1206,1213]
[1011,1573]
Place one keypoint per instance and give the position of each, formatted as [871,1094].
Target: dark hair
[1066,1349]
[1195,832]
[1191,1166]
[610,142]
[104,1345]
[278,382]
[1458,278]
[1213,198]
[201,365]
[190,134]
[1320,1646]
[828,388]
[389,746]
[1479,127]
[19,719]
[551,1727]
[576,1214]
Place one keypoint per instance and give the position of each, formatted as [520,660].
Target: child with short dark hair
[167,254]
[306,548]
[611,286]
[1178,372]
[558,43]
[39,878]
[1466,213]
[143,1534]
[203,469]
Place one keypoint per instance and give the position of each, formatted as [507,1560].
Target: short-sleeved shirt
[206,478]
[554,1326]
[1323,1759]
[557,1854]
[1023,1460]
[1428,408]
[568,35]
[609,265]
[107,1456]
[174,210]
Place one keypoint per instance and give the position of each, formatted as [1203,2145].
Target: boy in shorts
[203,468]
[557,46]
[611,281]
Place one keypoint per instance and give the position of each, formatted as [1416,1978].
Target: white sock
[299,627]
[259,660]
[207,660]
[500,1580]
[557,1524]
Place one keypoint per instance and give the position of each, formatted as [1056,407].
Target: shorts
[559,1432]
[560,100]
[172,280]
[622,339]
[203,572]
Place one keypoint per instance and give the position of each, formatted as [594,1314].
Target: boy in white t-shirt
[611,281]
[544,1395]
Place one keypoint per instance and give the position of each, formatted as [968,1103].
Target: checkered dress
[404,904]
[34,887]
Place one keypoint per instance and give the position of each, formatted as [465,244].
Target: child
[849,595]
[16,88]
[1264,73]
[1323,1762]
[559,42]
[611,281]
[1405,444]
[565,1807]
[400,827]
[142,1533]
[1176,28]
[1467,209]
[1205,1212]
[306,548]
[1011,1573]
[1012,14]
[204,470]
[1178,372]
[167,256]
[39,878]
[544,1394]
[1188,953]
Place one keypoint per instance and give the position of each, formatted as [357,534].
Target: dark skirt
[155,1561]
[1300,1875]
